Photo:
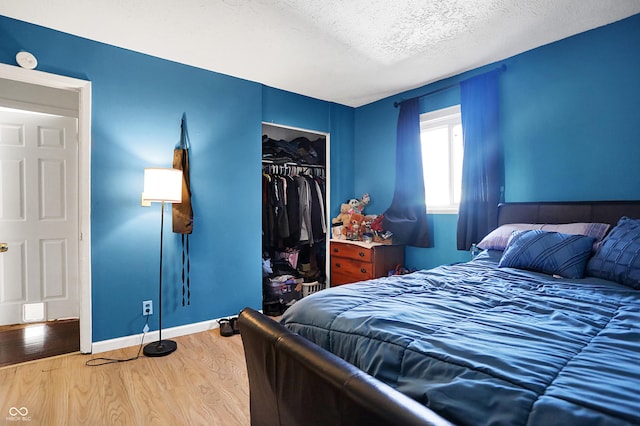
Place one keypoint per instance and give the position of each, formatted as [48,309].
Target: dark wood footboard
[295,382]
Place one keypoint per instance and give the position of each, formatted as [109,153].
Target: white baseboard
[134,340]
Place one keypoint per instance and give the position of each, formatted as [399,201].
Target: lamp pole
[160,292]
[161,347]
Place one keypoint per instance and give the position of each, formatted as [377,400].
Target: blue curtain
[483,163]
[407,215]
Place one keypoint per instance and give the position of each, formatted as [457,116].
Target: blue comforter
[483,345]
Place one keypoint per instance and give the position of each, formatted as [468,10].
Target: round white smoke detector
[26,60]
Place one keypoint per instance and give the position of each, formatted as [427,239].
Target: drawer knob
[361,254]
[337,265]
[363,270]
[335,250]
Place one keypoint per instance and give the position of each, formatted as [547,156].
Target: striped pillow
[552,253]
[618,258]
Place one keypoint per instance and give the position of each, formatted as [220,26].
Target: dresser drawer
[352,251]
[340,278]
[357,271]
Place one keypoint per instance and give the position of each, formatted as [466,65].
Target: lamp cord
[95,362]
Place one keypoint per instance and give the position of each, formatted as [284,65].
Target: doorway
[35,91]
[295,181]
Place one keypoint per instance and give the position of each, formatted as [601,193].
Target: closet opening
[295,222]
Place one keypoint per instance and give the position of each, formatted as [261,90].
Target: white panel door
[38,215]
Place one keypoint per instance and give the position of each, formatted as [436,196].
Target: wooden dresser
[353,261]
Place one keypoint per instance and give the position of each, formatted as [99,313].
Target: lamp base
[161,348]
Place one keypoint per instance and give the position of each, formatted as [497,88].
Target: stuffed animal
[344,217]
[354,227]
[357,206]
[376,224]
[370,218]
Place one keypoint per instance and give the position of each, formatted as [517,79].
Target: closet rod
[292,164]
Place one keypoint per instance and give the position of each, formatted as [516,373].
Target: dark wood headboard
[568,212]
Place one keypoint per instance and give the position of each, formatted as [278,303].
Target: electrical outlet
[147,307]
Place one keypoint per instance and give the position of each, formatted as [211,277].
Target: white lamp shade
[163,185]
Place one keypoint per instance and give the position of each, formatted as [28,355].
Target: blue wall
[569,125]
[138,101]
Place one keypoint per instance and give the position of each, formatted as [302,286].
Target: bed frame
[294,382]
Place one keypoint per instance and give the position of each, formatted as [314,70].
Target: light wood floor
[203,383]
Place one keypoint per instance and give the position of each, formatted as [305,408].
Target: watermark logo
[22,411]
[18,414]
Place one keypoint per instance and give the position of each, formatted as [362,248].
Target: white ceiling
[352,52]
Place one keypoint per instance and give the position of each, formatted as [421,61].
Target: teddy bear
[344,217]
[353,228]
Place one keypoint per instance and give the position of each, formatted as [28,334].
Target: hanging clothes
[318,221]
[293,206]
[293,212]
[304,194]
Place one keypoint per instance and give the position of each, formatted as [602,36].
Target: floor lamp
[164,186]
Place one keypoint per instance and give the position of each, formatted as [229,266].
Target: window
[442,149]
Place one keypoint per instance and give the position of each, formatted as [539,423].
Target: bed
[495,341]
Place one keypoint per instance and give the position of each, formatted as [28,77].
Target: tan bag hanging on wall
[183,212]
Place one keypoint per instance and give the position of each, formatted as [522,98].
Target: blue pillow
[618,257]
[552,253]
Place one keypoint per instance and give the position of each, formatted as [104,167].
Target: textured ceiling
[347,51]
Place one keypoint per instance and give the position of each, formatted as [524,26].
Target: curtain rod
[396,104]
